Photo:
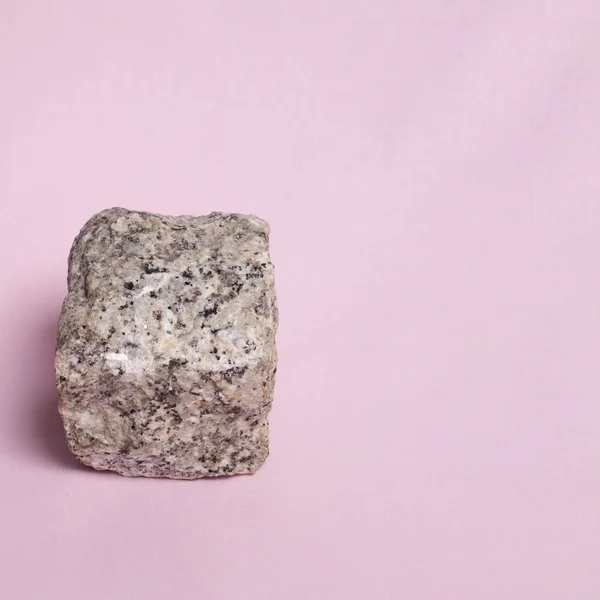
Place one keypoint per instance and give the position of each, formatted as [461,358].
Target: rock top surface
[166,356]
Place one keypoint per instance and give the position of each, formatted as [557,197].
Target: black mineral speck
[150,268]
[211,310]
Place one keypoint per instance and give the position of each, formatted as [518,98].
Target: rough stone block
[166,356]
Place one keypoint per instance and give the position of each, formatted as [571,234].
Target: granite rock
[166,356]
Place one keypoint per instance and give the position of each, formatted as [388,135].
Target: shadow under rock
[48,438]
[41,436]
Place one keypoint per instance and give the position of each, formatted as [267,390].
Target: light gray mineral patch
[166,355]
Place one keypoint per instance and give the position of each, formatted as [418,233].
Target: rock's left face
[166,354]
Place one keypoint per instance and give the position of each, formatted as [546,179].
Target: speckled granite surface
[166,356]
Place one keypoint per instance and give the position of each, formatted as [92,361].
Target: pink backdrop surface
[431,173]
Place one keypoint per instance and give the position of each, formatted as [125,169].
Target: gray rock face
[166,354]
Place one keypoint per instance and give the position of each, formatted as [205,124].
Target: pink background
[431,172]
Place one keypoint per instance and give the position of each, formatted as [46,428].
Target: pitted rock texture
[166,356]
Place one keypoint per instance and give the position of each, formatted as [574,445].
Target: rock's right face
[166,350]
